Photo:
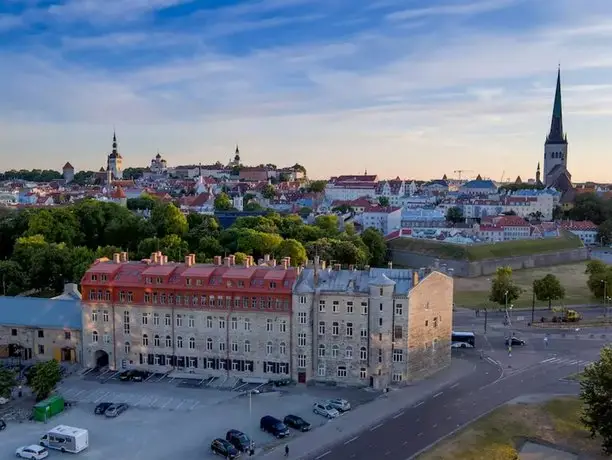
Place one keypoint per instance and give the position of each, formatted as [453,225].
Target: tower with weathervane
[114,165]
[555,147]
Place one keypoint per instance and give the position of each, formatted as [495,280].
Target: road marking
[388,452]
[438,394]
[180,404]
[404,443]
[166,403]
[420,434]
[454,386]
[434,425]
[398,415]
[193,406]
[79,393]
[548,360]
[351,440]
[153,401]
[419,404]
[101,397]
[323,455]
[418,420]
[448,418]
[376,427]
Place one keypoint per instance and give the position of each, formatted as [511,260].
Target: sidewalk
[357,420]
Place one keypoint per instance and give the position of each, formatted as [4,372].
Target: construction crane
[501,181]
[461,171]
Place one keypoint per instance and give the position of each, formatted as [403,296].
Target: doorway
[101,358]
[67,354]
[301,377]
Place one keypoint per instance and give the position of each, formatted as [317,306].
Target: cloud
[465,9]
[9,22]
[108,10]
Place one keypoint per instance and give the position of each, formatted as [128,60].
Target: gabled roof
[67,166]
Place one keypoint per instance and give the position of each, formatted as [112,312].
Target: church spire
[114,143]
[556,135]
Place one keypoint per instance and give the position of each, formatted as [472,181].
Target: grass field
[495,436]
[474,292]
[486,251]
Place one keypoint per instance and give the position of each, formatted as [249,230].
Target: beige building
[373,327]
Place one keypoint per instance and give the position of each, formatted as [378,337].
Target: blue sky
[415,88]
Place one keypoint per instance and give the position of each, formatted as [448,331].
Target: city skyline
[415,89]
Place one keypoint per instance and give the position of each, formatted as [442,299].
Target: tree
[168,220]
[268,192]
[316,186]
[45,377]
[595,266]
[377,247]
[8,381]
[209,246]
[548,288]
[454,215]
[305,211]
[600,280]
[596,394]
[223,202]
[604,233]
[239,258]
[253,206]
[293,249]
[503,289]
[383,201]
[348,253]
[328,223]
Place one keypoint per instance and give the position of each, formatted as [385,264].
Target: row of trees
[44,248]
[504,290]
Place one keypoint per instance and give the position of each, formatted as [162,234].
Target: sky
[408,88]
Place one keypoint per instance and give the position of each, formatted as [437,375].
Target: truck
[66,439]
[566,315]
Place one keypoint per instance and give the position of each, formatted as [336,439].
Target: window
[426,323]
[382,292]
[349,329]
[41,349]
[398,356]
[364,308]
[335,349]
[348,353]
[209,344]
[247,324]
[381,306]
[145,340]
[94,337]
[364,332]
[335,328]
[191,343]
[282,348]
[399,309]
[234,346]
[321,306]
[397,377]
[41,334]
[126,348]
[269,348]
[380,355]
[321,370]
[335,304]
[301,339]
[380,321]
[301,361]
[145,318]
[321,351]
[435,322]
[321,327]
[302,317]
[155,319]
[67,335]
[234,324]
[191,321]
[247,346]
[156,341]
[397,332]
[179,342]
[179,320]
[269,325]
[168,320]
[303,299]
[221,345]
[282,326]
[363,373]
[349,307]
[209,322]
[341,371]
[105,316]
[168,341]
[94,316]
[363,353]
[221,323]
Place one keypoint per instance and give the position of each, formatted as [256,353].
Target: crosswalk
[565,362]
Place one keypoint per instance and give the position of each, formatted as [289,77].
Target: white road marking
[153,401]
[548,360]
[418,420]
[388,452]
[454,386]
[419,404]
[98,399]
[420,434]
[79,393]
[323,455]
[351,440]
[194,405]
[376,427]
[398,415]
[438,394]
[166,403]
[434,425]
[405,443]
[180,404]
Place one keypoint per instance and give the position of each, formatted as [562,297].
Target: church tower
[555,147]
[115,161]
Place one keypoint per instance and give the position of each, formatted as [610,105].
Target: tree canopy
[503,289]
[548,289]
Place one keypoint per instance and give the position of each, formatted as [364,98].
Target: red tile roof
[578,225]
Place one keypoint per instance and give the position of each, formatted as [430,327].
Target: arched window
[95,337]
[192,343]
[348,353]
[126,348]
[145,340]
[156,340]
[321,350]
[179,342]
[282,348]
[269,348]
[363,353]
[168,341]
[335,349]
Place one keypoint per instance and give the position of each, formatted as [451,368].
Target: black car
[224,448]
[240,440]
[133,375]
[2,425]
[273,426]
[515,342]
[102,408]
[297,423]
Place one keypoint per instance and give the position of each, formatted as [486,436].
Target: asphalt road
[408,432]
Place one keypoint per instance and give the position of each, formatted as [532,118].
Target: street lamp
[605,295]
[577,361]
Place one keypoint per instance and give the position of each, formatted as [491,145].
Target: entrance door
[67,354]
[101,358]
[301,377]
[371,381]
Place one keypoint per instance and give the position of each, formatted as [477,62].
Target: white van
[66,439]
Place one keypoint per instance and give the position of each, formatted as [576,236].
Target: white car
[35,452]
[325,410]
[341,405]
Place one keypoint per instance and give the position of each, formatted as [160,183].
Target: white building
[385,219]
[115,162]
[585,230]
[348,188]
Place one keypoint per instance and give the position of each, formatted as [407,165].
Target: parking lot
[168,420]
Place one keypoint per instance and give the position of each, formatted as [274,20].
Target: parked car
[325,409]
[34,452]
[297,423]
[224,448]
[273,426]
[2,425]
[133,376]
[515,342]
[239,440]
[102,408]
[116,410]
[341,405]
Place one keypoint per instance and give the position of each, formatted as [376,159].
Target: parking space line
[375,427]
[194,405]
[78,393]
[153,401]
[166,403]
[351,440]
[140,401]
[454,386]
[398,415]
[323,455]
[438,394]
[419,404]
[101,397]
[179,404]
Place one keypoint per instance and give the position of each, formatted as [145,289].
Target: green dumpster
[47,408]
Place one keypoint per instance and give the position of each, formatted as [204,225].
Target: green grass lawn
[474,292]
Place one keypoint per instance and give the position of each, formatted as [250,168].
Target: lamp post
[577,361]
[605,295]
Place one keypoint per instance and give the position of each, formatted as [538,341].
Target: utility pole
[485,325]
[533,309]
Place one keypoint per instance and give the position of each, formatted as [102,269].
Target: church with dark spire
[114,162]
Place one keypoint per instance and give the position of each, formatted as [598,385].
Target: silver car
[324,409]
[116,410]
[341,405]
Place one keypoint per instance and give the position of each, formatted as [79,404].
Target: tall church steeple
[556,134]
[555,147]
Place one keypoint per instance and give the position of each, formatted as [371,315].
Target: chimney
[246,262]
[188,261]
[272,263]
[266,258]
[337,267]
[154,257]
[285,263]
[193,259]
[124,256]
[415,278]
[159,256]
[217,260]
[117,258]
[160,261]
[251,261]
[232,259]
[317,260]
[288,260]
[165,259]
[390,265]
[227,261]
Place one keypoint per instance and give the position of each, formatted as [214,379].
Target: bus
[463,340]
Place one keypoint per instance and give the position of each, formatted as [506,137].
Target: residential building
[489,233]
[478,186]
[514,227]
[33,328]
[585,230]
[423,218]
[372,327]
[347,188]
[382,218]
[392,190]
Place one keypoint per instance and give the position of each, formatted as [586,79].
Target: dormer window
[272,284]
[149,280]
[159,280]
[198,282]
[94,277]
[229,284]
[104,277]
[188,281]
[240,284]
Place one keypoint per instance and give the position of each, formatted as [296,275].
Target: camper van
[66,439]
